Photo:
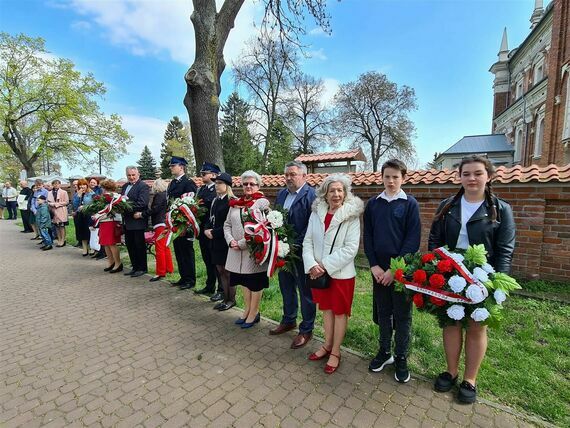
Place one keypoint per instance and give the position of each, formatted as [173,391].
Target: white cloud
[331,86]
[150,27]
[81,25]
[318,31]
[318,54]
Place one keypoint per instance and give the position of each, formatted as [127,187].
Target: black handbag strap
[335,235]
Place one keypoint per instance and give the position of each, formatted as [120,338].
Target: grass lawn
[527,364]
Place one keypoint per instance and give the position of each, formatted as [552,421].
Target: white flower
[457,283]
[488,268]
[499,296]
[457,257]
[475,293]
[283,249]
[456,312]
[275,218]
[188,200]
[480,274]
[480,314]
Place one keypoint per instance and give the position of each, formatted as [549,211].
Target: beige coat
[58,207]
[239,261]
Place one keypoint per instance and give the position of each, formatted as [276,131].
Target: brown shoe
[301,340]
[282,328]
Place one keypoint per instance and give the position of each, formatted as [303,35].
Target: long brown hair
[490,197]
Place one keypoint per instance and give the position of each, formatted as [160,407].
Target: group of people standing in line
[327,222]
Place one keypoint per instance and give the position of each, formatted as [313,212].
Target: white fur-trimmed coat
[317,244]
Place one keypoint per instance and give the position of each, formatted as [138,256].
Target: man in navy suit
[297,198]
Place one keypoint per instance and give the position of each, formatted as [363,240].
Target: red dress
[338,297]
[109,232]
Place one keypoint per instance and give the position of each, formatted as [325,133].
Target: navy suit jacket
[299,212]
[139,198]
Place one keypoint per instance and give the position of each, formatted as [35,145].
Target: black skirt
[252,281]
[82,232]
[219,251]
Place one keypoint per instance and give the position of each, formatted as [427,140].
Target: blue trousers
[289,283]
[46,236]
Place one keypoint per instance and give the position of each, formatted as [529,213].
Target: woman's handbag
[322,281]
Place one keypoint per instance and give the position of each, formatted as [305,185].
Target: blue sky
[141,49]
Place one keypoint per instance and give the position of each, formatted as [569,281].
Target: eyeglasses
[249,184]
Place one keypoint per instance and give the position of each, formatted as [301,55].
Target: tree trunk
[21,154]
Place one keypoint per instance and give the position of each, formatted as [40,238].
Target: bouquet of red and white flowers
[454,286]
[107,204]
[269,238]
[183,217]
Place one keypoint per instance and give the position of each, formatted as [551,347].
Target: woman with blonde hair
[157,213]
[110,231]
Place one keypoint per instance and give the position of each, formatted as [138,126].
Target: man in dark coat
[26,193]
[207,193]
[134,222]
[183,245]
[297,198]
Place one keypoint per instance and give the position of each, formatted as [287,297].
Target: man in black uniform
[207,193]
[183,245]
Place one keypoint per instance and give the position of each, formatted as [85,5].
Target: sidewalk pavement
[81,347]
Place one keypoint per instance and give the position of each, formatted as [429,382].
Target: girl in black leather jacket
[473,216]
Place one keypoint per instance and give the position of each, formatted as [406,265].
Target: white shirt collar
[298,190]
[400,195]
[179,177]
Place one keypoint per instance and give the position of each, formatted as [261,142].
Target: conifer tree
[147,165]
[176,143]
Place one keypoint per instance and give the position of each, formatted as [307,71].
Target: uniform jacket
[139,198]
[240,261]
[317,243]
[177,188]
[207,195]
[299,212]
[58,206]
[498,237]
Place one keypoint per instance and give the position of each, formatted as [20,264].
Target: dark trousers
[25,214]
[210,268]
[184,251]
[12,207]
[289,283]
[134,240]
[392,311]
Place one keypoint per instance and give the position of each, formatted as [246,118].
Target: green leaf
[504,282]
[476,254]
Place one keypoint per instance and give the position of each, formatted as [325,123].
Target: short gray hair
[159,186]
[252,174]
[343,179]
[131,167]
[298,164]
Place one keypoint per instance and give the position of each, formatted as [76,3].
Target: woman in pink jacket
[58,199]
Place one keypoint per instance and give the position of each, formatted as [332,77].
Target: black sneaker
[444,382]
[381,360]
[467,393]
[402,374]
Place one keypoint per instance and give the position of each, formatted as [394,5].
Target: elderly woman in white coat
[335,218]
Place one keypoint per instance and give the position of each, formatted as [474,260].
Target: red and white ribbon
[261,227]
[116,199]
[191,220]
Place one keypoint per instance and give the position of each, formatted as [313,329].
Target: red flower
[108,197]
[258,255]
[444,266]
[193,209]
[280,263]
[437,301]
[437,280]
[247,237]
[426,258]
[399,275]
[418,300]
[420,276]
[175,229]
[258,239]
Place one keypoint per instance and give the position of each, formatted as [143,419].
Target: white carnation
[457,283]
[488,268]
[475,293]
[499,296]
[480,274]
[457,257]
[275,218]
[480,314]
[456,312]
[188,200]
[283,249]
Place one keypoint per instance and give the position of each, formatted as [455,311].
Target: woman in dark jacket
[157,212]
[473,216]
[214,230]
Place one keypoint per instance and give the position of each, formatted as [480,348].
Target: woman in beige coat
[243,269]
[58,200]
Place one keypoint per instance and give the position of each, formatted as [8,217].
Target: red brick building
[532,91]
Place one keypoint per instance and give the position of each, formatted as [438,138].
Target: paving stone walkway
[80,347]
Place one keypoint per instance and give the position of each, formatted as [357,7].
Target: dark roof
[492,143]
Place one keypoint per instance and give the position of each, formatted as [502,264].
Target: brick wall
[542,217]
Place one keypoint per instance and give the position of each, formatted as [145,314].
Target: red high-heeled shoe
[331,369]
[315,357]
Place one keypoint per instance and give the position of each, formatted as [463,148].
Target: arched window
[538,73]
[539,136]
[518,145]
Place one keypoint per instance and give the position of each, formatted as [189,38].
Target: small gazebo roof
[348,155]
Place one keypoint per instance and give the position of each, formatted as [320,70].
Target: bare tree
[307,116]
[266,68]
[373,110]
[211,30]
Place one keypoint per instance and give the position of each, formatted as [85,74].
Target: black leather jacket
[498,237]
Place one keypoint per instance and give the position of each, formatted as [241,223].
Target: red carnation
[175,229]
[258,239]
[280,263]
[418,300]
[399,275]
[420,276]
[258,255]
[108,197]
[444,266]
[437,280]
[437,301]
[247,237]
[426,258]
[193,209]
